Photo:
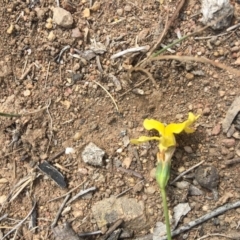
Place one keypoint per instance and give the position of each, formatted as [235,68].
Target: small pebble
[150,190]
[206,111]
[181,169]
[229,142]
[188,149]
[120,12]
[221,93]
[26,93]
[76,67]
[128,8]
[216,130]
[77,136]
[189,76]
[51,36]
[234,49]
[96,6]
[76,33]
[205,208]
[10,29]
[236,135]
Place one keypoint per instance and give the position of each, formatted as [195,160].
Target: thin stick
[27,71]
[107,94]
[81,193]
[11,153]
[130,172]
[204,218]
[185,172]
[86,234]
[197,59]
[54,199]
[140,69]
[22,114]
[129,50]
[232,161]
[20,223]
[156,45]
[137,85]
[215,234]
[51,126]
[49,63]
[56,156]
[127,190]
[25,65]
[54,223]
[112,229]
[99,64]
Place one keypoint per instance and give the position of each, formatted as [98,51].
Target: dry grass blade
[197,59]
[114,102]
[23,183]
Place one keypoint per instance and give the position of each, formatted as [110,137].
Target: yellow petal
[143,139]
[167,141]
[150,124]
[179,127]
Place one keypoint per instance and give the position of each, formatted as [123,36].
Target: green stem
[165,210]
[10,114]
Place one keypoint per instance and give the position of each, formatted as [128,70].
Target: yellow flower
[167,138]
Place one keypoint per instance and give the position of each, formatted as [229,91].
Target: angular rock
[216,130]
[93,155]
[111,209]
[228,142]
[207,176]
[62,17]
[219,13]
[231,114]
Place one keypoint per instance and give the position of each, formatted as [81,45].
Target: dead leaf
[180,211]
[86,13]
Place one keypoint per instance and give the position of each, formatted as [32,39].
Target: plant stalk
[165,210]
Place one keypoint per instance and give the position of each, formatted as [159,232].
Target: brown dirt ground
[85,108]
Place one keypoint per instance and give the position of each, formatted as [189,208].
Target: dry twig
[20,223]
[215,234]
[204,218]
[54,223]
[64,195]
[196,59]
[185,172]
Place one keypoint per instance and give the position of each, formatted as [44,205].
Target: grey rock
[219,13]
[194,191]
[207,177]
[62,17]
[93,155]
[109,210]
